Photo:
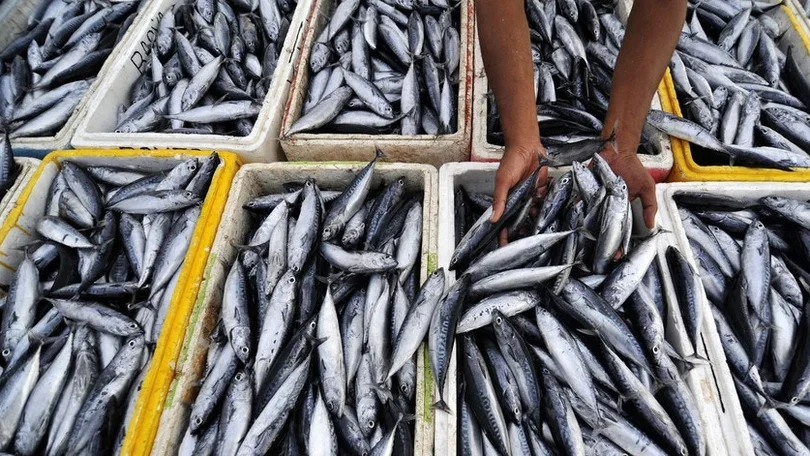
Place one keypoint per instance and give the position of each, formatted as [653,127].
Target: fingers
[503,237]
[649,205]
[498,201]
[542,181]
[503,182]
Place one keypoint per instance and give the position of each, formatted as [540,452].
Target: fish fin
[672,353]
[771,403]
[379,154]
[333,277]
[141,305]
[218,335]
[258,249]
[585,232]
[603,423]
[383,392]
[314,340]
[441,405]
[39,339]
[25,247]
[655,231]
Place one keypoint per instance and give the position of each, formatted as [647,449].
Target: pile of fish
[47,68]
[8,167]
[301,366]
[381,67]
[754,261]
[574,49]
[745,101]
[87,303]
[562,340]
[211,66]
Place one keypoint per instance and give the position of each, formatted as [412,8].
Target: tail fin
[441,405]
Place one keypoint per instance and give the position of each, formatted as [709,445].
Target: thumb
[649,206]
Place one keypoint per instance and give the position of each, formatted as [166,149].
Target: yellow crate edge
[685,168]
[145,419]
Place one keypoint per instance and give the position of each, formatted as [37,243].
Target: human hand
[518,163]
[639,182]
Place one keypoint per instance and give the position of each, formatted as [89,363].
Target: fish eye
[371,424]
[403,388]
[6,352]
[292,279]
[198,420]
[498,320]
[313,324]
[517,411]
[133,325]
[245,350]
[132,343]
[239,376]
[655,349]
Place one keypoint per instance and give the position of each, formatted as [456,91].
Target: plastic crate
[20,228]
[261,145]
[796,34]
[717,404]
[258,179]
[435,150]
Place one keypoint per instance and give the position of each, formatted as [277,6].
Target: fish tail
[442,405]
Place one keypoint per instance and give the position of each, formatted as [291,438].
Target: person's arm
[652,32]
[504,36]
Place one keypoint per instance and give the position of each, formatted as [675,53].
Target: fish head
[503,329]
[240,339]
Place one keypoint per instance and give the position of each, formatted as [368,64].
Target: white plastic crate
[96,129]
[435,150]
[259,179]
[733,431]
[717,405]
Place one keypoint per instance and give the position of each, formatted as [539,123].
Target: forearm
[506,49]
[652,32]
